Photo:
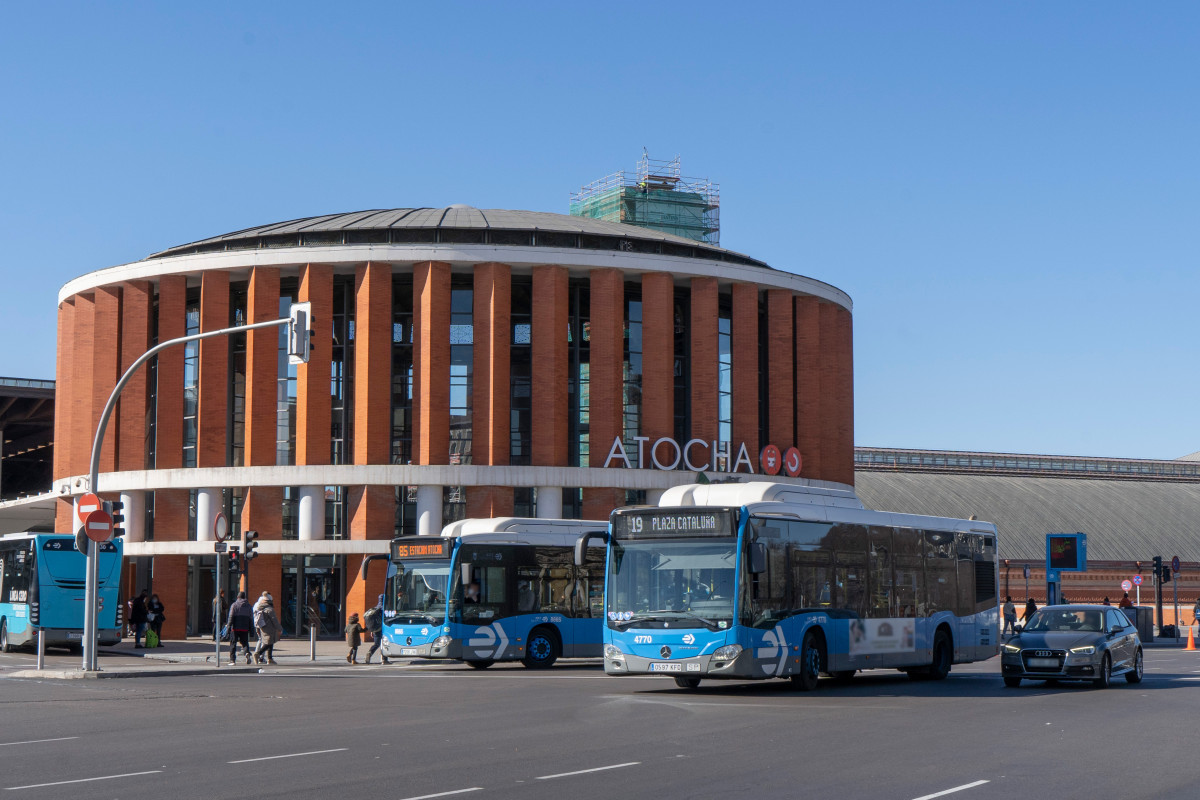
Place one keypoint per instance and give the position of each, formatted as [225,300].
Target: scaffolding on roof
[656,196]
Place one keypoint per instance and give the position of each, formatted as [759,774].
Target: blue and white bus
[504,589]
[42,587]
[769,580]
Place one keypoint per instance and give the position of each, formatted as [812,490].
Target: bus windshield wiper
[669,613]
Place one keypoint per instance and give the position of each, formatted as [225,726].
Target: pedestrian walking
[1126,602]
[374,620]
[353,639]
[1010,616]
[220,610]
[269,629]
[155,614]
[1196,613]
[137,617]
[241,617]
[1030,609]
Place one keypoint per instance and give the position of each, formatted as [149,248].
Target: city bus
[42,587]
[770,580]
[488,590]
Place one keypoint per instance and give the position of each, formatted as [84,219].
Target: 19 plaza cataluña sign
[668,454]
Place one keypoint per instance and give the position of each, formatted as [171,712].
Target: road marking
[82,780]
[290,755]
[583,771]
[951,791]
[39,741]
[444,794]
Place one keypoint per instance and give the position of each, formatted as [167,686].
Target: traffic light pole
[93,560]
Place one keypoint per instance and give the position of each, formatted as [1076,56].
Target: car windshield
[672,582]
[1065,619]
[418,592]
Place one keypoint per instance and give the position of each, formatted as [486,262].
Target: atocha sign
[770,460]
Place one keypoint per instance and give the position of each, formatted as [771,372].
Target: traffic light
[235,560]
[297,333]
[250,544]
[1156,569]
[1166,574]
[116,508]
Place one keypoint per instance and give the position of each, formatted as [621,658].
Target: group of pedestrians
[354,631]
[260,617]
[146,611]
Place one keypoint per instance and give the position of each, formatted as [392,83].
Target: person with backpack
[269,629]
[374,623]
[138,616]
[241,617]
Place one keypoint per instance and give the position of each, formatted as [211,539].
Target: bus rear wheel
[541,650]
[687,683]
[812,656]
[487,662]
[5,647]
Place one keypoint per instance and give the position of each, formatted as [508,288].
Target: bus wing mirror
[758,558]
[366,562]
[581,546]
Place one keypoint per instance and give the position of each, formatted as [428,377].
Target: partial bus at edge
[533,604]
[767,580]
[42,587]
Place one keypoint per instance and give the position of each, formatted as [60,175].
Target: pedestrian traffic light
[1156,568]
[235,560]
[116,509]
[250,544]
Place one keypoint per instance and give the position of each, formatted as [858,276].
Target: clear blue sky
[1007,190]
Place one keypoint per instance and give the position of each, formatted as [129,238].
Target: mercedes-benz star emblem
[665,652]
[408,640]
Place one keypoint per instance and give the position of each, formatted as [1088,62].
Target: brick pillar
[136,299]
[82,367]
[169,573]
[745,370]
[64,441]
[372,509]
[212,414]
[261,506]
[431,363]
[843,455]
[313,404]
[106,360]
[491,387]
[808,386]
[830,413]
[703,367]
[550,359]
[658,361]
[780,366]
[607,315]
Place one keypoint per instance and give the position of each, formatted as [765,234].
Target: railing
[887,459]
[27,383]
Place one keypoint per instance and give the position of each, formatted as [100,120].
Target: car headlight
[441,641]
[612,651]
[1011,648]
[1083,651]
[727,653]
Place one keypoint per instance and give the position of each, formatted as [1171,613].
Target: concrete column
[429,510]
[135,516]
[311,516]
[208,503]
[549,502]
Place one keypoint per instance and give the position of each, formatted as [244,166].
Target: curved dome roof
[458,224]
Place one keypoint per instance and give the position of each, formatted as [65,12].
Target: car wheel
[481,664]
[687,683]
[811,656]
[1135,675]
[541,650]
[1105,678]
[1012,683]
[943,657]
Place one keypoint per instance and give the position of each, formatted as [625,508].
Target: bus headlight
[727,653]
[441,642]
[612,651]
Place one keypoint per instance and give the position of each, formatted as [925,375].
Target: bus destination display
[436,549]
[676,522]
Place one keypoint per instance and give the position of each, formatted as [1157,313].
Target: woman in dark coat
[154,614]
[1030,608]
[137,617]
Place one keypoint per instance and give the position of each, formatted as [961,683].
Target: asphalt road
[424,731]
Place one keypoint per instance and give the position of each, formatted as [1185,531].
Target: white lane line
[583,771]
[39,741]
[82,780]
[445,794]
[951,791]
[290,755]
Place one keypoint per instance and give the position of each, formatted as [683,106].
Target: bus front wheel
[811,659]
[687,683]
[541,650]
[487,662]
[5,647]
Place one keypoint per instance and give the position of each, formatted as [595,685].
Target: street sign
[1175,564]
[220,547]
[792,462]
[87,504]
[1126,586]
[98,525]
[220,528]
[770,459]
[1137,580]
[1026,572]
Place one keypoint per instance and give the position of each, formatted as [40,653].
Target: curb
[71,674]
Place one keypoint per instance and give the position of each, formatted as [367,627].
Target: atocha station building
[465,362]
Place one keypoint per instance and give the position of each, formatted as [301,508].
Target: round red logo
[792,461]
[770,460]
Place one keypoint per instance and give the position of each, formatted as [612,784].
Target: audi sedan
[1073,643]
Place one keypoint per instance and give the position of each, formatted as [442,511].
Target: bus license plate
[660,666]
[1043,662]
[75,635]
[409,651]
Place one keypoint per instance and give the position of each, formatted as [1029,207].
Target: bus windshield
[660,583]
[417,592]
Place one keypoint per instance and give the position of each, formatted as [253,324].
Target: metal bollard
[312,643]
[41,658]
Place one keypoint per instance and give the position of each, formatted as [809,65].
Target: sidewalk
[195,656]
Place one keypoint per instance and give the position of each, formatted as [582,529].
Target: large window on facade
[191,378]
[578,372]
[341,369]
[521,373]
[402,369]
[285,385]
[235,451]
[631,385]
[681,370]
[725,370]
[462,338]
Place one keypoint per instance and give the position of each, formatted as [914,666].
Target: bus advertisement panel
[775,589]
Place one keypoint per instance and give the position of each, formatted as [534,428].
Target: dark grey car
[1073,643]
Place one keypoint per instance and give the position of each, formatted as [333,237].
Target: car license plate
[660,666]
[75,635]
[1043,662]
[409,651]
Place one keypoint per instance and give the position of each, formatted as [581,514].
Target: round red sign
[792,462]
[770,460]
